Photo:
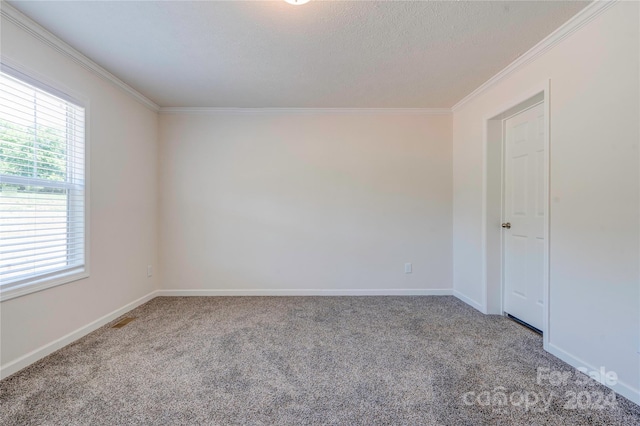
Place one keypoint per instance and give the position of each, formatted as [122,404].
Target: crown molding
[36,30]
[303,111]
[581,19]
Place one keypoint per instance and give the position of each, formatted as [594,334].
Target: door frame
[493,175]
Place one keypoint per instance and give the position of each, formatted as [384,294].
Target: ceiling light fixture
[297,2]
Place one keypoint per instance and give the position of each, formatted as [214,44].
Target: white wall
[594,245]
[339,202]
[123,202]
[306,203]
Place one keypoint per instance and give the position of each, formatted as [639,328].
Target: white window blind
[42,185]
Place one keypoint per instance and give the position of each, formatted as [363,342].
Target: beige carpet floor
[309,360]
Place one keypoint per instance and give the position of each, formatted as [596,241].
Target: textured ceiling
[365,54]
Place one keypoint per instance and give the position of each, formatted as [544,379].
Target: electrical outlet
[408,268]
[149,271]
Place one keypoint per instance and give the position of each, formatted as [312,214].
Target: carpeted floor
[309,360]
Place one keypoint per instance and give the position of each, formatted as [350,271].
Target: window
[42,186]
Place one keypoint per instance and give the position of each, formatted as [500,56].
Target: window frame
[55,278]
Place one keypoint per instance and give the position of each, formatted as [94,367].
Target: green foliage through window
[33,151]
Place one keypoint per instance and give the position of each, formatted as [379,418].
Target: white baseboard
[312,292]
[14,366]
[469,301]
[621,388]
[35,355]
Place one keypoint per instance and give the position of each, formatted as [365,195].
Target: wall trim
[303,111]
[36,30]
[476,305]
[497,114]
[24,361]
[581,19]
[620,388]
[310,292]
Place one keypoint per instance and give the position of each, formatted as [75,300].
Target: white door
[524,210]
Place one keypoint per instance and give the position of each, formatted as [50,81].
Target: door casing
[493,196]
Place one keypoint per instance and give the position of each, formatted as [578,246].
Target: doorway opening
[516,210]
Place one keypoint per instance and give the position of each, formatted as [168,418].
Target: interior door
[524,210]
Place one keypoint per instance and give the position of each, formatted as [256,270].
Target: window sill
[39,284]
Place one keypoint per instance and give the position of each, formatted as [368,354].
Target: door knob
[506,225]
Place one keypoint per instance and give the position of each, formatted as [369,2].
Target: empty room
[285,212]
